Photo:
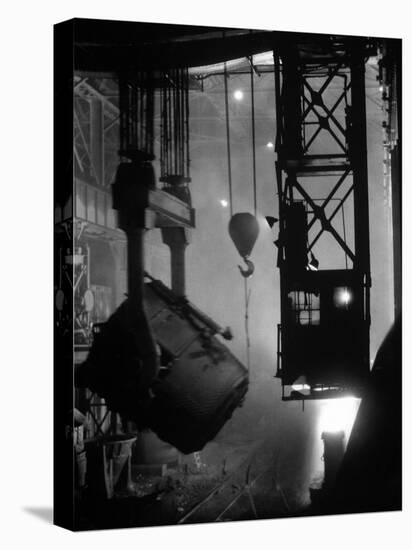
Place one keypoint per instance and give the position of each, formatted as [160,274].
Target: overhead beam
[107,56]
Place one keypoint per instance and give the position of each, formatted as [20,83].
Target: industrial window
[304,307]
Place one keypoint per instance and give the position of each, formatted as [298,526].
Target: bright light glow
[269,145]
[300,387]
[338,414]
[224,203]
[342,296]
[238,95]
[346,296]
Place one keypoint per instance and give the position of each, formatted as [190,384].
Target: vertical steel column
[135,265]
[358,157]
[177,257]
[177,239]
[359,160]
[129,191]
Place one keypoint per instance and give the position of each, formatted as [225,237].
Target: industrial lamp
[314,263]
[271,221]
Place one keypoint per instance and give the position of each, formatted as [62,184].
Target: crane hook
[250,268]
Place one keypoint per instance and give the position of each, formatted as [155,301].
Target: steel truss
[321,171]
[96,130]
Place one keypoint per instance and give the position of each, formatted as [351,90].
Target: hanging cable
[229,162]
[248,292]
[243,224]
[247,299]
[252,90]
